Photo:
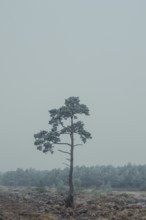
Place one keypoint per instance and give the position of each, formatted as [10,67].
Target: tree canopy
[64,121]
[46,140]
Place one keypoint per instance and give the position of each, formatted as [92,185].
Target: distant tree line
[124,177]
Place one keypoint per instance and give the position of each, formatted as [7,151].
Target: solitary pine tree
[64,122]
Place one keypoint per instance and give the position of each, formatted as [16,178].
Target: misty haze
[72,85]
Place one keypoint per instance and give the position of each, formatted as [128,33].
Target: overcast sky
[53,49]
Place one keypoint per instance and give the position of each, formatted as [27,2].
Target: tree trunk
[70,198]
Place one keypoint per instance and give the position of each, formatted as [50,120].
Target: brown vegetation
[29,204]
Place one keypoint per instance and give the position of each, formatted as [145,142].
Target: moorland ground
[34,204]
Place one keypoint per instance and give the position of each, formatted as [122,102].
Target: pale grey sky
[50,50]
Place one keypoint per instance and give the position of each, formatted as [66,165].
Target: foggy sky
[51,50]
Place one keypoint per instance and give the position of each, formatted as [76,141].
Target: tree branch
[64,144]
[62,151]
[66,164]
[78,145]
[64,132]
[61,123]
[68,159]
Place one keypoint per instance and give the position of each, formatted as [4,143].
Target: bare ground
[29,204]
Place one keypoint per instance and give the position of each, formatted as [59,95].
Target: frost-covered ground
[31,204]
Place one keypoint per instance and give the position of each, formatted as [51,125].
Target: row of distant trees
[128,177]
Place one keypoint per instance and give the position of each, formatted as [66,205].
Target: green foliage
[46,140]
[102,178]
[63,122]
